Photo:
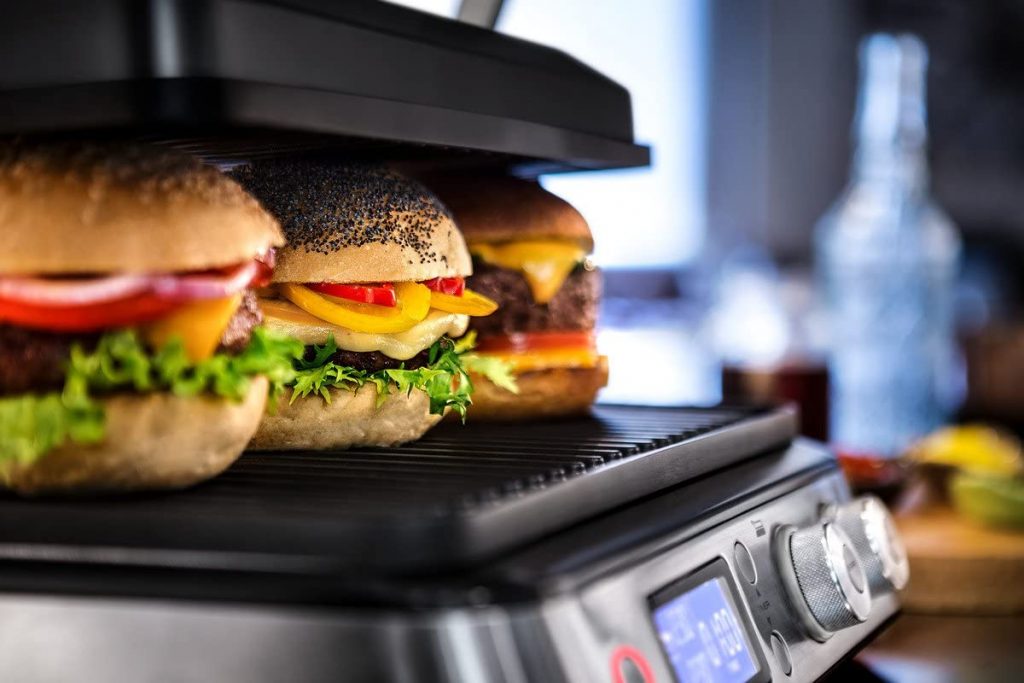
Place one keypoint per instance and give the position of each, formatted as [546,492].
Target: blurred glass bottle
[887,255]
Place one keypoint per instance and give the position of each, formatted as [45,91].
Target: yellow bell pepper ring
[412,306]
[470,303]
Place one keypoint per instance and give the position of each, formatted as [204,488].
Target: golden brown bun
[501,209]
[558,392]
[153,441]
[350,419]
[355,223]
[90,208]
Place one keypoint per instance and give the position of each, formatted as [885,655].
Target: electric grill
[635,545]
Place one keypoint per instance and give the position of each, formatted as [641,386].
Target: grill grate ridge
[466,490]
[482,463]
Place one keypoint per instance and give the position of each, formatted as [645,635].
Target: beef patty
[239,330]
[375,360]
[34,360]
[574,307]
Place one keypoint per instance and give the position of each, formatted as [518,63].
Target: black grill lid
[237,78]
[458,495]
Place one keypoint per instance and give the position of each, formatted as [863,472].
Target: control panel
[781,592]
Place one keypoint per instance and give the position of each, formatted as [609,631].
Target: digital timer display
[702,635]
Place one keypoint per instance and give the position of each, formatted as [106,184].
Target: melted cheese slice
[199,325]
[287,318]
[544,263]
[544,359]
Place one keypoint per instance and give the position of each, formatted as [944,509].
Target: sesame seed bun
[80,207]
[503,209]
[351,419]
[153,441]
[346,223]
[558,392]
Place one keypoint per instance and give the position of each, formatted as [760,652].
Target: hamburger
[371,286]
[530,254]
[130,352]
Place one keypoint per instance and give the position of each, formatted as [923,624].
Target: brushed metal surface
[871,529]
[567,636]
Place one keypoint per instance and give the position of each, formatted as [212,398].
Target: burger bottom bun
[350,419]
[558,392]
[153,441]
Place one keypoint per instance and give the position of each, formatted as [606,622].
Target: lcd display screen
[703,636]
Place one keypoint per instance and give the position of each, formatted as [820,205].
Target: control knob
[824,577]
[870,526]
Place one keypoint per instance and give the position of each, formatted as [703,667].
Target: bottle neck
[890,130]
[903,168]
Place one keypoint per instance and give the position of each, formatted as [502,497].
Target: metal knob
[869,525]
[825,579]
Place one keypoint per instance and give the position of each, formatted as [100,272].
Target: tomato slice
[379,294]
[533,341]
[162,295]
[453,286]
[87,318]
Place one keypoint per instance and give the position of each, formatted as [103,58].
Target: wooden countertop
[941,649]
[961,567]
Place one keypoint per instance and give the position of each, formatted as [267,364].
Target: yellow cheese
[287,318]
[544,263]
[199,325]
[543,359]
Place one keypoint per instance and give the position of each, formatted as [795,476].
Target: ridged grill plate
[460,494]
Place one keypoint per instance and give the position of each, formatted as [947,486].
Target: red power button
[630,666]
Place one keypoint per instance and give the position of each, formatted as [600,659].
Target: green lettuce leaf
[499,372]
[32,425]
[121,362]
[443,379]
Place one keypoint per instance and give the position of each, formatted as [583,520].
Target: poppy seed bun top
[80,207]
[503,209]
[345,223]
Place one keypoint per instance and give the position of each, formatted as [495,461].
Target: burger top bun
[83,207]
[503,209]
[346,223]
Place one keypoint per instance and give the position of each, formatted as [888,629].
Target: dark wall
[782,85]
[976,106]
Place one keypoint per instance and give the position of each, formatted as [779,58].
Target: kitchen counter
[935,649]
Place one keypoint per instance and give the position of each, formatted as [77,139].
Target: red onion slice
[48,292]
[81,292]
[205,286]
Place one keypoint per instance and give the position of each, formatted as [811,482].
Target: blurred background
[834,216]
[709,253]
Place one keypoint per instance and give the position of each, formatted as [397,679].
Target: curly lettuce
[444,379]
[499,372]
[32,425]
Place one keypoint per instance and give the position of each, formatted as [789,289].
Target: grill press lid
[238,79]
